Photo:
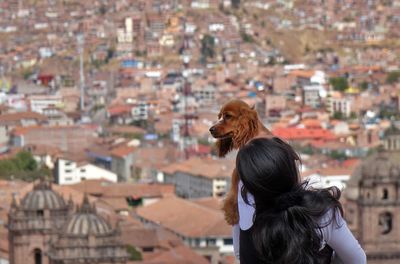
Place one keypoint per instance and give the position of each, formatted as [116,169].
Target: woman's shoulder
[330,221]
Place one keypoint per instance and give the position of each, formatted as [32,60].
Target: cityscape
[105,109]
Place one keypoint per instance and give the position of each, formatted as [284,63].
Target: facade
[340,104]
[73,139]
[373,206]
[71,172]
[311,95]
[43,229]
[33,223]
[40,102]
[122,161]
[87,238]
[197,178]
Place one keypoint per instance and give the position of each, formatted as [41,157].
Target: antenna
[81,41]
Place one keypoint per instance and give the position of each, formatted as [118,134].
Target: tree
[393,77]
[339,83]
[337,155]
[364,85]
[246,37]
[235,3]
[23,166]
[25,161]
[207,48]
[133,253]
[338,115]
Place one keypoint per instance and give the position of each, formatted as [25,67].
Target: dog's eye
[227,116]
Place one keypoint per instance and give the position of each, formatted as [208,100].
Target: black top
[248,253]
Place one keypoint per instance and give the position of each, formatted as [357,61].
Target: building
[67,138]
[40,102]
[392,136]
[33,223]
[70,171]
[312,95]
[373,205]
[122,161]
[197,178]
[43,229]
[87,238]
[337,103]
[202,228]
[327,177]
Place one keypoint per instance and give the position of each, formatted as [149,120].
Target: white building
[329,177]
[339,104]
[40,102]
[68,171]
[125,34]
[197,178]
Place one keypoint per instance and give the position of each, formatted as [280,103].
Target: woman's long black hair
[287,226]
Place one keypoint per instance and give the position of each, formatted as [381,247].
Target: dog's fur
[237,124]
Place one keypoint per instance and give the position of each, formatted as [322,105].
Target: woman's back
[286,221]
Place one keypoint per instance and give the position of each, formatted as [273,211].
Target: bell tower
[373,202]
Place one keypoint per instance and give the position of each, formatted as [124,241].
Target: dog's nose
[212,129]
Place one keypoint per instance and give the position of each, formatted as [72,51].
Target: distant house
[122,160]
[327,177]
[67,138]
[40,102]
[337,103]
[299,134]
[200,227]
[10,121]
[69,171]
[196,178]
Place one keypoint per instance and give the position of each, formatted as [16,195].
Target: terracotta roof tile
[203,167]
[186,218]
[122,151]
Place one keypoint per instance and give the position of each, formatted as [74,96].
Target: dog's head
[237,124]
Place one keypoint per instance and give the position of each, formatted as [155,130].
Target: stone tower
[373,203]
[32,224]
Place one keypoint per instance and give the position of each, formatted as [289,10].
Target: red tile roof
[122,151]
[119,110]
[303,134]
[186,218]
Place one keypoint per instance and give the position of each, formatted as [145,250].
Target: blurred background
[105,107]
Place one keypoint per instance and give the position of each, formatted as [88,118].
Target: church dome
[86,221]
[42,197]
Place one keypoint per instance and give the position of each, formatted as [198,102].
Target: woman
[283,221]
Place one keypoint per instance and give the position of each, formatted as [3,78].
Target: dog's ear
[247,127]
[224,146]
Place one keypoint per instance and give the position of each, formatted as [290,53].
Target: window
[385,194]
[385,222]
[211,242]
[38,256]
[148,249]
[83,170]
[228,241]
[68,171]
[40,213]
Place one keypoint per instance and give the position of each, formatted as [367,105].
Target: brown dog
[238,123]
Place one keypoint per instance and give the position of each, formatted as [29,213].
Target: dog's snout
[212,129]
